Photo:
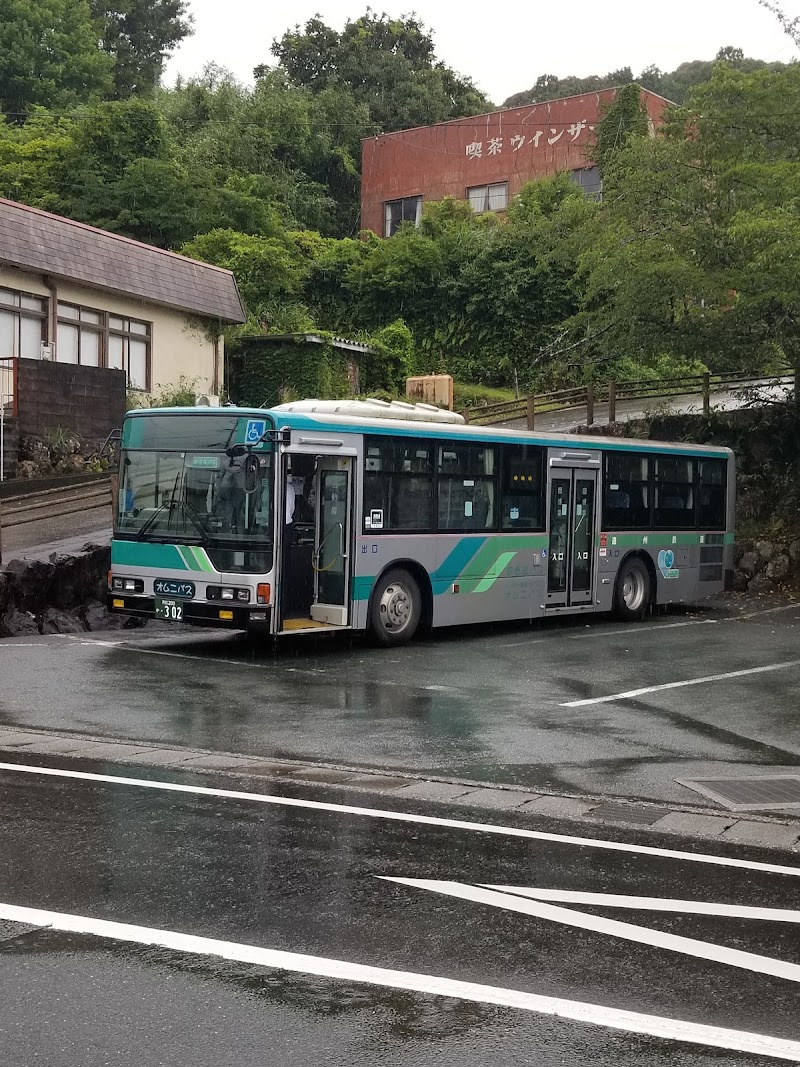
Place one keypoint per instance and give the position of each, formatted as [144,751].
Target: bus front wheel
[396,608]
[633,591]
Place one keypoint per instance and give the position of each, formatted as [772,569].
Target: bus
[389,517]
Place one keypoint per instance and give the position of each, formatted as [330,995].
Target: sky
[504,49]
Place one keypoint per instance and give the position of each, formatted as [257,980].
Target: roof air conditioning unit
[47,350]
[207,400]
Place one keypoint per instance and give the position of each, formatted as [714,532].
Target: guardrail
[587,396]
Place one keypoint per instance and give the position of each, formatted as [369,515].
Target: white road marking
[637,630]
[690,946]
[683,907]
[679,685]
[429,984]
[403,816]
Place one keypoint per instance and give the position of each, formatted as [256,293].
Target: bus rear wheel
[396,608]
[633,592]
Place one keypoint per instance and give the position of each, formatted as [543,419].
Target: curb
[693,821]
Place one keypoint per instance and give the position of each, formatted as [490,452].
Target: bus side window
[711,494]
[674,502]
[467,487]
[626,491]
[522,498]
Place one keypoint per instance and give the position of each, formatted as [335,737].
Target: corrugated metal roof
[309,338]
[37,241]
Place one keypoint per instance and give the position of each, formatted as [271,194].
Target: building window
[129,350]
[588,178]
[407,209]
[80,335]
[22,324]
[488,197]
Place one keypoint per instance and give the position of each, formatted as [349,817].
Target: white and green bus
[323,515]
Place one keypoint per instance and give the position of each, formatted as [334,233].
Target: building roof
[499,112]
[37,241]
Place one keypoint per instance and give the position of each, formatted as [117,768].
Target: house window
[588,178]
[488,197]
[80,335]
[407,209]
[22,324]
[129,344]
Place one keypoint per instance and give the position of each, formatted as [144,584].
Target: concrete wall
[180,347]
[89,401]
[516,146]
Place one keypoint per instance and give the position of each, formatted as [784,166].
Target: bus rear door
[573,484]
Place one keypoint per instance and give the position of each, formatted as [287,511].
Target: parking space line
[402,816]
[435,985]
[679,685]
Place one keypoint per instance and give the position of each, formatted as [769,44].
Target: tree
[49,56]
[387,64]
[139,35]
[694,253]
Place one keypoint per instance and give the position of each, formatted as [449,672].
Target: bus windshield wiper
[167,504]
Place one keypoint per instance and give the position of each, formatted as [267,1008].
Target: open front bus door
[331,559]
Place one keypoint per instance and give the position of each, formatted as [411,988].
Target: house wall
[180,347]
[516,146]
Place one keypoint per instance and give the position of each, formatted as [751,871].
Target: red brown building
[484,159]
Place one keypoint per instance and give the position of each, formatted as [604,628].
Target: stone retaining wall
[766,566]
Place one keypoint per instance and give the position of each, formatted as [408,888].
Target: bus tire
[395,608]
[633,591]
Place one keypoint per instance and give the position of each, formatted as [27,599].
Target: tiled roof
[37,241]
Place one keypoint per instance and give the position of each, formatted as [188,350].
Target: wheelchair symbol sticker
[255,431]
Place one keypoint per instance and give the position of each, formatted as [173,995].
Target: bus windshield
[200,497]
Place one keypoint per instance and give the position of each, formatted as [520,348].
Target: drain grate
[749,793]
[641,816]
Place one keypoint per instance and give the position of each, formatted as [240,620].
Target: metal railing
[588,396]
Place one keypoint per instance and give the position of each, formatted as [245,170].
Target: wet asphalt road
[310,881]
[485,704]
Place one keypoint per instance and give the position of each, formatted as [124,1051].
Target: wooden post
[530,407]
[706,394]
[589,405]
[465,413]
[612,402]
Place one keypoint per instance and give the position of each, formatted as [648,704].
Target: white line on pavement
[679,685]
[404,816]
[343,970]
[634,630]
[683,907]
[689,946]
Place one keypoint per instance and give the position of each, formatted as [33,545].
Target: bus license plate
[169,609]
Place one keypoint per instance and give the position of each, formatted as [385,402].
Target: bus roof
[440,431]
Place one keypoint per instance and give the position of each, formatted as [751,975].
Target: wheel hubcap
[395,607]
[633,590]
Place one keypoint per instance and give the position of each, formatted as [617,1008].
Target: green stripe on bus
[144,554]
[495,571]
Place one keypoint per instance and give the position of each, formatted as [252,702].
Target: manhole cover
[641,816]
[750,793]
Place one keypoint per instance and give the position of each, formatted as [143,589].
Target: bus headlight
[227,592]
[127,585]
